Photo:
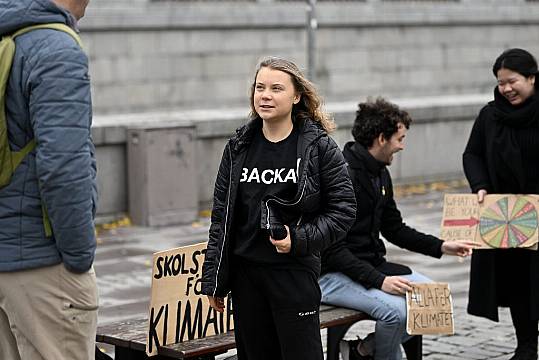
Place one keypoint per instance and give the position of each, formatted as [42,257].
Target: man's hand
[481,195]
[217,303]
[396,285]
[283,246]
[458,248]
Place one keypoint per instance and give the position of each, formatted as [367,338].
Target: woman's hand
[481,195]
[458,248]
[283,246]
[396,285]
[217,303]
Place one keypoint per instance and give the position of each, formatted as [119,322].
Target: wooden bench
[129,339]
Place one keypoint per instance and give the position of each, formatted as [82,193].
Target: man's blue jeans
[388,310]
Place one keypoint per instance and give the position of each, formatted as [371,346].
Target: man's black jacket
[361,256]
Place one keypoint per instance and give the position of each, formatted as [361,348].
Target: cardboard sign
[429,309]
[500,222]
[178,311]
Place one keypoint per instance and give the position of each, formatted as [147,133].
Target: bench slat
[132,334]
[340,316]
[211,344]
[122,333]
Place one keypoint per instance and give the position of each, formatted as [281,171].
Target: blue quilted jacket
[48,98]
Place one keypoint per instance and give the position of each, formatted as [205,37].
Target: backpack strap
[7,50]
[46,222]
[17,157]
[53,26]
[5,68]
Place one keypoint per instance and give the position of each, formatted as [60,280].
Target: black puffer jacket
[323,208]
[501,157]
[361,255]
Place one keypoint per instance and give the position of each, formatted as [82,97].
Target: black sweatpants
[276,313]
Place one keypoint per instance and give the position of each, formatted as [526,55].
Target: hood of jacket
[16,14]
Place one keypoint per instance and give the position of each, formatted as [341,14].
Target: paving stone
[123,270]
[484,353]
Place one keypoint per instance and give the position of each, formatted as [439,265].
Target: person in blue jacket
[48,292]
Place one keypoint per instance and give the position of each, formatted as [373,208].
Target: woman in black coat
[502,156]
[282,194]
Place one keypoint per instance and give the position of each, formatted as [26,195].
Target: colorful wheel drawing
[508,223]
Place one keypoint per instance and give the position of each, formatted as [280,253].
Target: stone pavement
[123,267]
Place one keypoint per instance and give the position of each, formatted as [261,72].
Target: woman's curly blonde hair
[310,103]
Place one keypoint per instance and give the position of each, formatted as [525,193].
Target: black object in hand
[278,232]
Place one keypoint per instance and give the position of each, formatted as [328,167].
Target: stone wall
[167,60]
[434,145]
[155,55]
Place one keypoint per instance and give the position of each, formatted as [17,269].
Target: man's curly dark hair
[378,117]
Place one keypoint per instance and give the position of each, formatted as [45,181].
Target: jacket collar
[17,14]
[309,131]
[360,159]
[244,135]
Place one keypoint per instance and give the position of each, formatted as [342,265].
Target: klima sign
[178,311]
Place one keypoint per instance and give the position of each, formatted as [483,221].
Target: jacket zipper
[226,223]
[288,204]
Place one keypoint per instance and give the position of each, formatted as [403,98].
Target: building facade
[169,54]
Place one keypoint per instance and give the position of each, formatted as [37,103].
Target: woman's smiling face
[515,87]
[274,95]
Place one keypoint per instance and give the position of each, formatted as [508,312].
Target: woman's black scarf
[505,154]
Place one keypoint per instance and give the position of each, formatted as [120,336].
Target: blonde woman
[282,194]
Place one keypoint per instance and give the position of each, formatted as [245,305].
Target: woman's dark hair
[378,117]
[517,60]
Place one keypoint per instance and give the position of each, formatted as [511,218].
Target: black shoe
[349,351]
[526,352]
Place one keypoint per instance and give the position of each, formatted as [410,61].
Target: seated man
[355,273]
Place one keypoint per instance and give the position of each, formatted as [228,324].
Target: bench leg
[121,353]
[334,337]
[414,348]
